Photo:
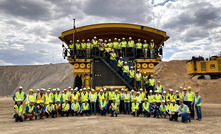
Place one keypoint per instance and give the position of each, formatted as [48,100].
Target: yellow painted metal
[87,81]
[144,65]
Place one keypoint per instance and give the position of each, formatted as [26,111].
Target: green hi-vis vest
[110,44]
[127,97]
[163,108]
[47,99]
[132,96]
[84,96]
[65,96]
[145,77]
[123,44]
[18,109]
[50,108]
[101,47]
[30,109]
[159,88]
[151,82]
[125,69]
[139,45]
[119,45]
[74,96]
[93,96]
[83,45]
[113,56]
[57,96]
[103,104]
[173,107]
[114,106]
[132,72]
[115,45]
[135,106]
[66,107]
[151,45]
[117,96]
[30,97]
[150,98]
[111,95]
[71,46]
[158,98]
[138,77]
[85,107]
[145,46]
[89,46]
[78,46]
[197,99]
[95,43]
[182,108]
[131,43]
[146,106]
[75,106]
[120,63]
[18,95]
[190,96]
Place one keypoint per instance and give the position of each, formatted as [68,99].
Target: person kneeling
[85,108]
[146,108]
[135,108]
[18,111]
[114,108]
[29,111]
[163,111]
[173,111]
[57,108]
[39,110]
[50,110]
[184,112]
[103,107]
[75,108]
[65,108]
[155,109]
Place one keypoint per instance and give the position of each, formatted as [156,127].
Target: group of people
[95,47]
[77,102]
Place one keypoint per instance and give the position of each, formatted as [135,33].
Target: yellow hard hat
[80,89]
[49,88]
[65,89]
[197,91]
[32,101]
[116,91]
[114,98]
[135,99]
[158,81]
[75,98]
[103,98]
[31,90]
[72,89]
[184,89]
[125,90]
[173,100]
[41,101]
[189,87]
[145,99]
[83,40]
[92,90]
[153,100]
[50,101]
[58,90]
[86,100]
[181,87]
[168,100]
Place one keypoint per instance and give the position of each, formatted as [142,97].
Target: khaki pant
[88,52]
[152,52]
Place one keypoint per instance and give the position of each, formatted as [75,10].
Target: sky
[29,29]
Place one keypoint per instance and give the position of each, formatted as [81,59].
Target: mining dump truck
[202,68]
[95,71]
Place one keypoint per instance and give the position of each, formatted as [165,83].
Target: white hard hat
[131,67]
[151,39]
[101,90]
[138,39]
[171,89]
[105,40]
[53,89]
[157,91]
[95,37]
[69,87]
[37,89]
[163,101]
[130,38]
[123,38]
[112,50]
[141,89]
[109,40]
[77,40]
[151,76]
[88,88]
[88,39]
[48,90]
[101,40]
[105,89]
[19,99]
[118,39]
[67,99]
[121,57]
[75,89]
[164,92]
[138,69]
[20,87]
[84,88]
[70,40]
[132,90]
[92,39]
[177,91]
[125,62]
[145,40]
[115,38]
[138,92]
[44,89]
[111,87]
[122,89]
[58,99]
[151,91]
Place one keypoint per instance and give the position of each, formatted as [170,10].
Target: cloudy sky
[30,28]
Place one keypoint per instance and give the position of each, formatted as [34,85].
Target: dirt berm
[172,74]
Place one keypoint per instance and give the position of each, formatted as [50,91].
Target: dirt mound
[35,76]
[173,74]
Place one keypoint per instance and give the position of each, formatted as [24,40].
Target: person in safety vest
[142,94]
[131,46]
[119,48]
[85,108]
[29,111]
[65,108]
[173,111]
[103,106]
[18,111]
[78,48]
[30,97]
[71,47]
[95,46]
[111,95]
[138,77]
[126,102]
[139,100]
[41,96]
[131,76]
[39,110]
[146,108]
[115,46]
[164,95]
[83,48]
[177,97]
[197,103]
[135,108]
[152,49]
[37,92]
[145,83]
[184,112]
[89,48]
[155,109]
[101,48]
[145,49]
[114,108]
[190,99]
[122,101]
[75,108]
[185,96]
[123,46]
[120,64]
[170,95]
[138,48]
[107,53]
[158,98]
[168,104]
[163,108]
[113,56]
[159,87]
[151,83]
[125,70]
[50,110]
[47,98]
[150,98]
[20,94]
[93,99]
[110,44]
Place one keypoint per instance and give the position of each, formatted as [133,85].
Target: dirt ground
[104,125]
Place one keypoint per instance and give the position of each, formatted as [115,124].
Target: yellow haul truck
[95,71]
[204,68]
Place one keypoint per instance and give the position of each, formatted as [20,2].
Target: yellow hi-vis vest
[145,46]
[71,46]
[50,108]
[145,77]
[89,46]
[65,96]
[47,99]
[123,44]
[159,88]
[78,46]
[120,63]
[65,107]
[117,96]
[131,43]
[182,108]
[138,76]
[111,95]
[85,107]
[103,104]
[139,45]
[119,45]
[131,73]
[135,106]
[30,109]
[83,45]
[95,43]
[74,96]
[151,45]
[30,97]
[158,98]
[150,98]
[75,106]
[110,44]
[18,95]
[93,96]
[114,106]
[132,96]
[190,96]
[113,56]
[163,108]
[101,96]
[127,97]
[18,109]
[173,107]
[176,97]
[139,98]
[57,96]
[151,82]
[84,96]
[125,69]
[115,45]
[197,99]
[146,106]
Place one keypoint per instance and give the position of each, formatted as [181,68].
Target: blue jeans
[103,112]
[18,118]
[163,113]
[132,81]
[198,112]
[126,107]
[92,107]
[112,112]
[146,113]
[124,76]
[131,51]
[112,63]
[191,107]
[123,51]
[185,117]
[138,84]
[78,53]
[155,113]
